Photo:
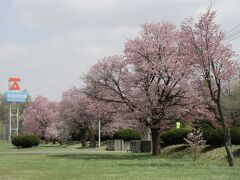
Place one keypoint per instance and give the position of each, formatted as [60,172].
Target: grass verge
[69,162]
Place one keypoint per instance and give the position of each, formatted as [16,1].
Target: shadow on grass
[85,147]
[103,156]
[210,148]
[236,153]
[160,164]
[96,156]
[51,146]
[143,159]
[177,152]
[181,148]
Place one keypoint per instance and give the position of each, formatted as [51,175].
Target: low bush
[128,134]
[235,135]
[206,133]
[212,136]
[26,141]
[175,136]
[216,136]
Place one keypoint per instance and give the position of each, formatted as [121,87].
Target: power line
[232,38]
[232,29]
[232,34]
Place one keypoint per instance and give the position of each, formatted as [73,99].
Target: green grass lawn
[70,162]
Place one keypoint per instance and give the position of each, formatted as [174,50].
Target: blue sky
[51,43]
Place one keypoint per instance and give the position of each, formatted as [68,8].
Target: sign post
[14,96]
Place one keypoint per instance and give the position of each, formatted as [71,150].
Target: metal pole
[99,134]
[10,124]
[17,119]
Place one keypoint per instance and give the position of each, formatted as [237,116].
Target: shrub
[26,141]
[211,135]
[175,136]
[235,135]
[215,136]
[128,134]
[206,133]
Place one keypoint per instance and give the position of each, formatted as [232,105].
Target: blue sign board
[16,96]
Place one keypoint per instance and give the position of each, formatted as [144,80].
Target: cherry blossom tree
[213,66]
[161,75]
[149,82]
[52,133]
[82,113]
[70,113]
[57,132]
[195,141]
[39,116]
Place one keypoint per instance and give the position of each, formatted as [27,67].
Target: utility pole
[99,133]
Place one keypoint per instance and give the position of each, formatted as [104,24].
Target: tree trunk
[155,141]
[60,142]
[83,133]
[92,140]
[83,142]
[194,154]
[227,137]
[228,146]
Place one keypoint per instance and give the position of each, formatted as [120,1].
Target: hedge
[175,136]
[235,135]
[216,136]
[26,141]
[128,134]
[211,135]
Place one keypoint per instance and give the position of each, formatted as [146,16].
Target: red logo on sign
[14,84]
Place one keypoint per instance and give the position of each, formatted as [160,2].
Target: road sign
[18,96]
[13,84]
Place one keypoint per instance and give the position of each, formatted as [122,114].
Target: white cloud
[50,43]
[49,67]
[11,51]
